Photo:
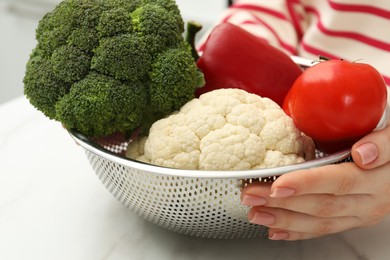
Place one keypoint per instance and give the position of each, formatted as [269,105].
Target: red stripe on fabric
[315,51]
[349,35]
[253,23]
[360,8]
[224,20]
[318,52]
[227,17]
[387,80]
[283,44]
[294,18]
[261,9]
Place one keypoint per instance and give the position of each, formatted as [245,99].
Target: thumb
[373,150]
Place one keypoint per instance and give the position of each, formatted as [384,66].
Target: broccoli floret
[41,87]
[85,39]
[159,28]
[129,5]
[120,17]
[70,63]
[173,79]
[171,7]
[109,105]
[56,26]
[125,56]
[102,66]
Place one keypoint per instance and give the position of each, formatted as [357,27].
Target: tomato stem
[320,59]
[323,58]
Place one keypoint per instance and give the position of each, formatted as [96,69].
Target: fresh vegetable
[102,66]
[336,102]
[225,129]
[234,58]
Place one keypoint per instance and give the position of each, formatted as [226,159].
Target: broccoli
[169,88]
[103,66]
[111,104]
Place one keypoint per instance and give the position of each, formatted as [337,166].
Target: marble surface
[52,206]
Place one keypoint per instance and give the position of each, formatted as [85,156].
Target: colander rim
[94,148]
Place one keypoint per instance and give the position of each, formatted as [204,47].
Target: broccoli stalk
[103,66]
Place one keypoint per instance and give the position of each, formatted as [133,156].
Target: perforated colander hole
[205,208]
[110,180]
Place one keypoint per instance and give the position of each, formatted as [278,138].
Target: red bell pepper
[234,58]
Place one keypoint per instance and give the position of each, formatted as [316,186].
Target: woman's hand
[372,150]
[315,202]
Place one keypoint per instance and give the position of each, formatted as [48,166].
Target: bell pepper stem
[192,29]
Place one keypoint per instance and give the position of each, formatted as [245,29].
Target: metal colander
[197,203]
[192,202]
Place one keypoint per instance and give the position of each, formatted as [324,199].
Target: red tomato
[337,102]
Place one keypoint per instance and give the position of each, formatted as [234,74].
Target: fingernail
[262,218]
[278,236]
[251,200]
[368,152]
[282,192]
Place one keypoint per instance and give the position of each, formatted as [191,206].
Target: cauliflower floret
[225,129]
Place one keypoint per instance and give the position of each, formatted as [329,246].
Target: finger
[318,205]
[372,150]
[340,179]
[298,222]
[256,194]
[278,234]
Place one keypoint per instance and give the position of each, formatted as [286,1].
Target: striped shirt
[349,29]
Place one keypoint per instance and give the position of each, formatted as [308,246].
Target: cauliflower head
[225,129]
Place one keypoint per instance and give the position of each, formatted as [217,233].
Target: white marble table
[53,207]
